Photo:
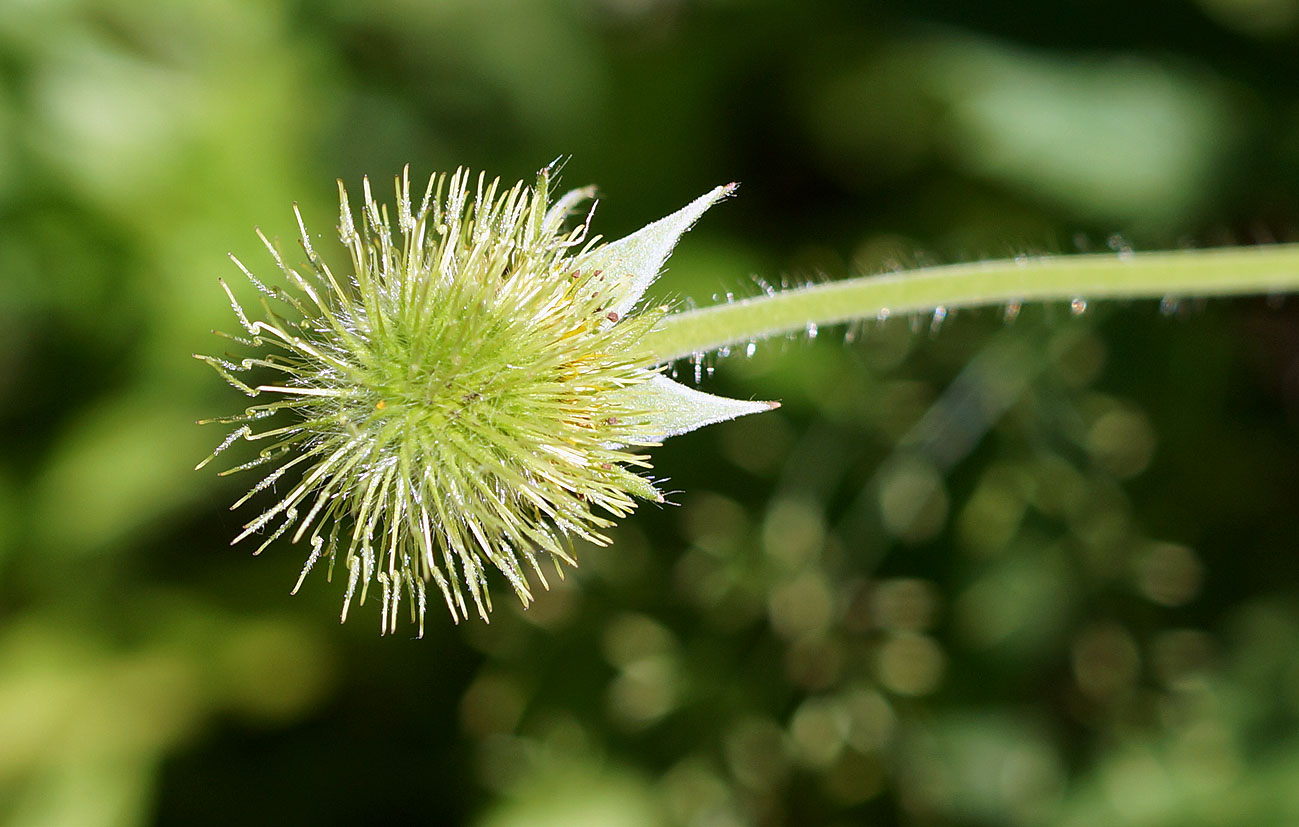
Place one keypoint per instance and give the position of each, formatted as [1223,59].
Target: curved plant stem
[1266,269]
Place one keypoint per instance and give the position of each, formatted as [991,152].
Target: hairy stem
[1182,273]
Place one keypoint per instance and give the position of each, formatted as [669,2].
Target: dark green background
[994,573]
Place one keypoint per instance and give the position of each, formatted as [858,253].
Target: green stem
[1182,273]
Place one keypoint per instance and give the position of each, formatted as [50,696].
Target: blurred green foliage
[975,571]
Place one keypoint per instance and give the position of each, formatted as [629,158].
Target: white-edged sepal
[669,408]
[631,264]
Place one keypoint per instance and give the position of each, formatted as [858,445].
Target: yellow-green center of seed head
[464,399]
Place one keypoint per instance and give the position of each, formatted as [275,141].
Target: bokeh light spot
[911,664]
[1169,574]
[912,499]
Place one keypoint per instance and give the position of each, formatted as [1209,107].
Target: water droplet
[1119,244]
[1169,305]
[1011,313]
[1078,306]
[765,285]
[936,323]
[723,352]
[811,330]
[882,315]
[751,348]
[730,297]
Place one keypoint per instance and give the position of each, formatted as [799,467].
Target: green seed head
[468,397]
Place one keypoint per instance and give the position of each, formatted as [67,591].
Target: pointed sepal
[670,408]
[631,264]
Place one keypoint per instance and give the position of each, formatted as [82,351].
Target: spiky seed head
[470,396]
